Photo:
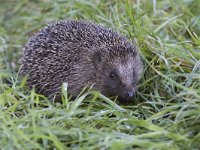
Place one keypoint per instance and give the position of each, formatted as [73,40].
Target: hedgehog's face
[120,76]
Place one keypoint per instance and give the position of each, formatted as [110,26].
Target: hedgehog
[81,53]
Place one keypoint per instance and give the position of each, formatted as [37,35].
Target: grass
[166,113]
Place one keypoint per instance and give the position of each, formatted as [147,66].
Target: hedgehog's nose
[131,93]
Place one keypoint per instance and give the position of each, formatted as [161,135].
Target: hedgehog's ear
[97,58]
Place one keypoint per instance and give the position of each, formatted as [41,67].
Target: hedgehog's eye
[113,74]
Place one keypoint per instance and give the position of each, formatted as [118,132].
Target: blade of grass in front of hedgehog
[64,96]
[111,103]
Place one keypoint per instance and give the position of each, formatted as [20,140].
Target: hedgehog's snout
[130,93]
[127,96]
[129,88]
[126,93]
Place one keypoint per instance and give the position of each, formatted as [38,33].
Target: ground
[166,110]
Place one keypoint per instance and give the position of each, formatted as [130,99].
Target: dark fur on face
[118,73]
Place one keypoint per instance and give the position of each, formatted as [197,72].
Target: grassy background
[166,113]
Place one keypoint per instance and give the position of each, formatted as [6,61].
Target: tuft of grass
[166,112]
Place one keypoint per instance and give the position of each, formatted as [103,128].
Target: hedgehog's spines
[66,51]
